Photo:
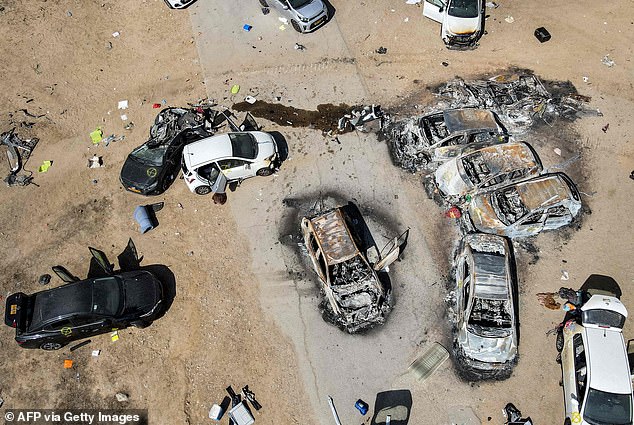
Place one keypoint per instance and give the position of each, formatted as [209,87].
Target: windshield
[296,4]
[244,145]
[490,317]
[601,317]
[604,408]
[508,205]
[150,156]
[106,296]
[463,8]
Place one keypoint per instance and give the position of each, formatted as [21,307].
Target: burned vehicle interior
[356,298]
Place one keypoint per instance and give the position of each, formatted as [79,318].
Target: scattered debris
[586,79]
[96,135]
[564,275]
[123,104]
[1,401]
[216,412]
[235,89]
[333,409]
[68,364]
[492,5]
[357,118]
[96,353]
[381,50]
[542,34]
[250,99]
[605,128]
[129,126]
[122,397]
[299,46]
[557,151]
[145,215]
[250,396]
[547,300]
[265,10]
[632,175]
[45,279]
[412,1]
[283,20]
[95,162]
[124,117]
[45,166]
[607,61]
[114,336]
[247,27]
[429,362]
[445,64]
[509,19]
[18,152]
[116,34]
[513,416]
[156,105]
[361,406]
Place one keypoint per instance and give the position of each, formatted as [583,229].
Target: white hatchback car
[209,164]
[596,375]
[461,21]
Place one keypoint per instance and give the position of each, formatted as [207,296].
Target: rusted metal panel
[334,237]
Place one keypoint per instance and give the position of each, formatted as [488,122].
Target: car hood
[488,350]
[450,181]
[138,175]
[462,26]
[142,292]
[483,215]
[312,9]
[266,145]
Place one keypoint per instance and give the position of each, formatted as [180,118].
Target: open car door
[249,123]
[433,9]
[64,274]
[391,251]
[101,259]
[129,258]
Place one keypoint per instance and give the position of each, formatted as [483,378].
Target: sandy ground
[245,310]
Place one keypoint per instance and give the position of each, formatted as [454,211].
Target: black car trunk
[17,311]
[141,294]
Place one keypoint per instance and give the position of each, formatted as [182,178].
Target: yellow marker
[114,336]
[66,331]
[14,309]
[576,418]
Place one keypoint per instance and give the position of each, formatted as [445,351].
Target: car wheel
[202,190]
[296,26]
[264,3]
[263,172]
[140,324]
[559,342]
[50,346]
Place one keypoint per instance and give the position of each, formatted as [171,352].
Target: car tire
[559,342]
[264,3]
[263,172]
[202,190]
[140,324]
[296,26]
[51,346]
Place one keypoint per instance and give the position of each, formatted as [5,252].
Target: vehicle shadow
[331,9]
[395,403]
[168,281]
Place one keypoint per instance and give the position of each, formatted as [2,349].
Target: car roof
[469,119]
[503,158]
[65,300]
[607,357]
[543,191]
[333,237]
[207,149]
[490,276]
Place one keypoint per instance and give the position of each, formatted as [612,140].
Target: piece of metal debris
[45,279]
[429,362]
[122,397]
[381,50]
[607,61]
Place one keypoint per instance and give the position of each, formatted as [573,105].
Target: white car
[461,21]
[304,15]
[486,336]
[596,374]
[210,164]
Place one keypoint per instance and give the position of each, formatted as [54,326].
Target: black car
[53,318]
[151,168]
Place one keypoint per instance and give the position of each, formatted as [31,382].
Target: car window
[495,180]
[84,320]
[466,284]
[150,156]
[244,145]
[559,211]
[456,140]
[580,366]
[534,218]
[208,172]
[313,243]
[463,8]
[227,164]
[56,326]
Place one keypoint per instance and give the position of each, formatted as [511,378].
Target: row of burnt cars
[479,170]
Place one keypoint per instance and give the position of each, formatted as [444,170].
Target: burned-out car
[462,21]
[486,339]
[439,136]
[355,297]
[485,169]
[152,167]
[547,202]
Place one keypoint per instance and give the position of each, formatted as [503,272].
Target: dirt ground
[237,315]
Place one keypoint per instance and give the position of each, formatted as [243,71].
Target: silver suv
[304,15]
